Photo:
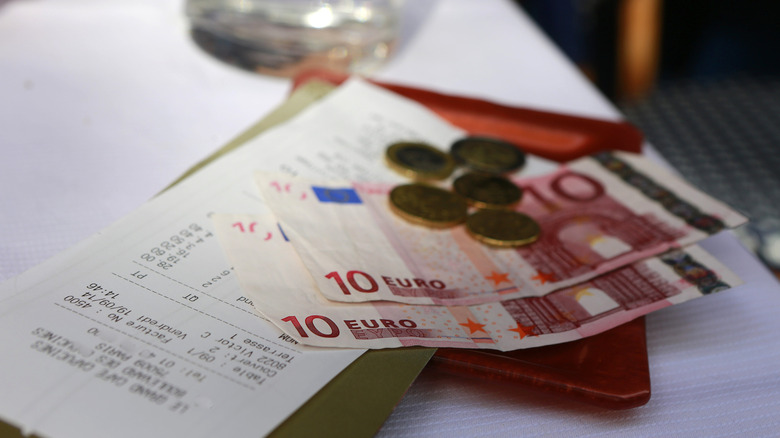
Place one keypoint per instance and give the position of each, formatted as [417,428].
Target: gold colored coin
[501,228]
[488,155]
[487,191]
[427,205]
[419,161]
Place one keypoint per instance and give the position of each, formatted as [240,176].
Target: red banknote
[596,214]
[279,286]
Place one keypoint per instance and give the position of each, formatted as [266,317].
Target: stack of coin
[483,187]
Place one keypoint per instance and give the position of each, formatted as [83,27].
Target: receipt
[143,330]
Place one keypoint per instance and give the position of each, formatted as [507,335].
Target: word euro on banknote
[274,277]
[596,214]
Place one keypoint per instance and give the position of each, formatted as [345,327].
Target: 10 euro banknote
[281,288]
[596,214]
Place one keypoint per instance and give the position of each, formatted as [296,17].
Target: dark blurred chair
[615,42]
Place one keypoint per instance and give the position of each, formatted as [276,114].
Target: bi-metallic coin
[487,191]
[427,205]
[488,155]
[502,228]
[419,161]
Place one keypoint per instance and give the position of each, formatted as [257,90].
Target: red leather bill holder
[609,370]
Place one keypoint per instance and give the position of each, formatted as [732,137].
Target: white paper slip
[142,330]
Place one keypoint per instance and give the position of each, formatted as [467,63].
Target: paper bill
[142,330]
[274,277]
[596,214]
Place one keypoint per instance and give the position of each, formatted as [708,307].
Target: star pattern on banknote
[473,326]
[544,277]
[524,330]
[498,277]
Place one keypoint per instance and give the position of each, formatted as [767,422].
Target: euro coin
[488,155]
[426,205]
[419,161]
[502,228]
[487,191]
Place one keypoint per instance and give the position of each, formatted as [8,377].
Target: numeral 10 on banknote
[309,321]
[587,189]
[373,286]
[399,326]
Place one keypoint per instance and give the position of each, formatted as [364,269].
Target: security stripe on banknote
[660,194]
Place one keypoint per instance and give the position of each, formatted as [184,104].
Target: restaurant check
[145,320]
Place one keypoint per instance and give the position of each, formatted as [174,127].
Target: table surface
[105,103]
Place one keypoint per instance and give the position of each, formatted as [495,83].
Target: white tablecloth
[102,104]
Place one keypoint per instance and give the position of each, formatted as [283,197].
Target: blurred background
[701,79]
